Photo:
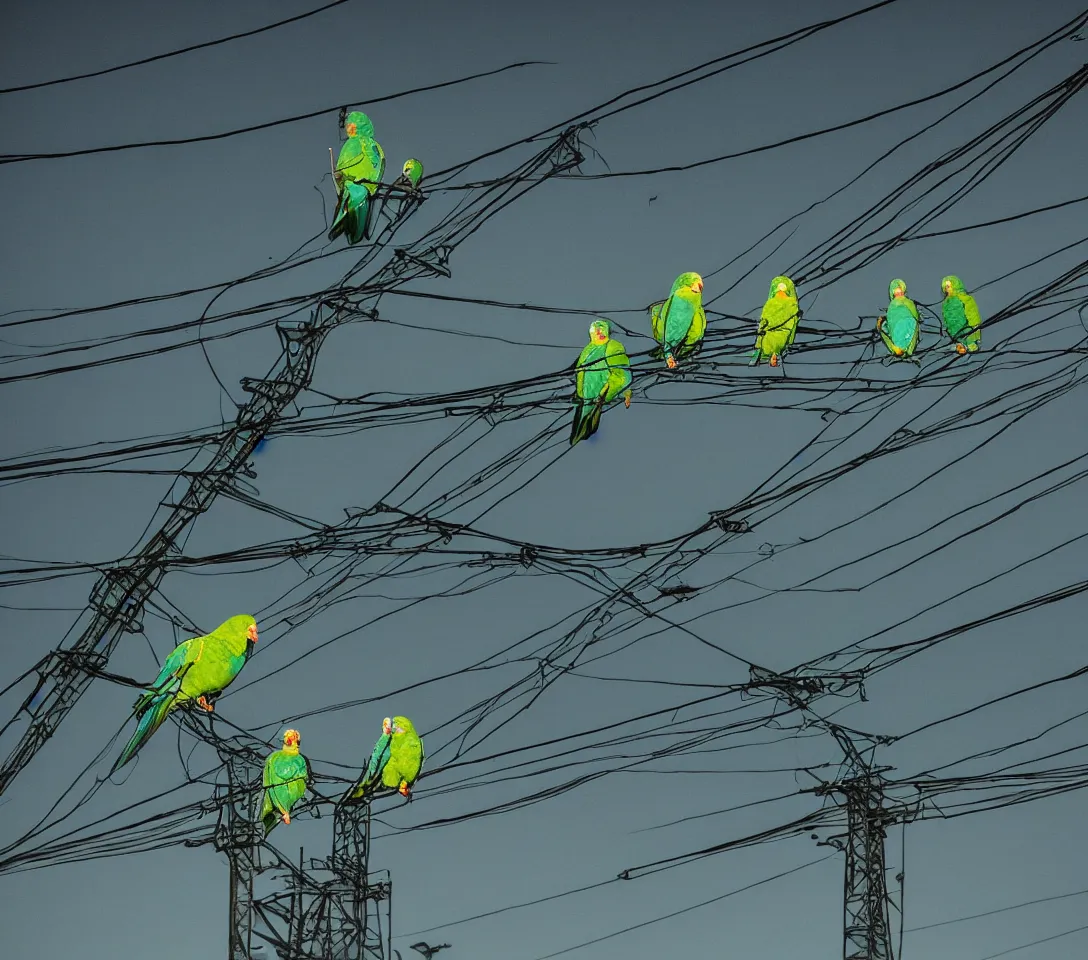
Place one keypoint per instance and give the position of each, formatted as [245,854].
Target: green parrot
[679,323]
[898,328]
[777,323]
[410,175]
[358,172]
[603,373]
[395,761]
[286,775]
[962,321]
[196,672]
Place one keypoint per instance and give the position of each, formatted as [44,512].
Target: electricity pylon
[117,601]
[866,904]
[331,909]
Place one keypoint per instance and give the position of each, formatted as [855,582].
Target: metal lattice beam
[866,925]
[117,600]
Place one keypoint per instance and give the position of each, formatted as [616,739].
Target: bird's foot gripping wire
[960,349]
[774,359]
[404,790]
[202,702]
[670,360]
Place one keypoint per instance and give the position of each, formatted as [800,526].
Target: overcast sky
[120,226]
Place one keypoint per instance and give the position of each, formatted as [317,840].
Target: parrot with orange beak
[962,320]
[679,323]
[898,327]
[777,323]
[197,671]
[395,762]
[359,170]
[286,776]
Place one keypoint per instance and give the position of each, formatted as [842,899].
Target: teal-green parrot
[395,762]
[286,776]
[679,323]
[898,328]
[777,323]
[358,172]
[410,176]
[603,373]
[962,321]
[196,672]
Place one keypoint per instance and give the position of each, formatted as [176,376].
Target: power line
[174,53]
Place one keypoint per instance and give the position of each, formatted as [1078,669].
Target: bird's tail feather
[152,717]
[587,418]
[362,789]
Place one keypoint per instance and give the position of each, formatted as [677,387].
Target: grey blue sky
[125,225]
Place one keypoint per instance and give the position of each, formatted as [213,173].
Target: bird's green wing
[698,327]
[777,326]
[659,313]
[218,662]
[954,313]
[350,155]
[592,371]
[619,370]
[174,668]
[379,757]
[974,318]
[766,316]
[405,761]
[971,309]
[678,322]
[268,777]
[377,164]
[179,660]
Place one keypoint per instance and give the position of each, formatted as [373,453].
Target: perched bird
[286,776]
[196,672]
[962,321]
[777,323]
[359,170]
[427,950]
[410,176]
[603,373]
[679,323]
[395,762]
[898,328]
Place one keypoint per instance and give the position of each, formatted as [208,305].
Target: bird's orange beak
[697,286]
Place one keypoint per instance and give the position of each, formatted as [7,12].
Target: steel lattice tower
[337,909]
[866,923]
[866,903]
[117,601]
[331,909]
